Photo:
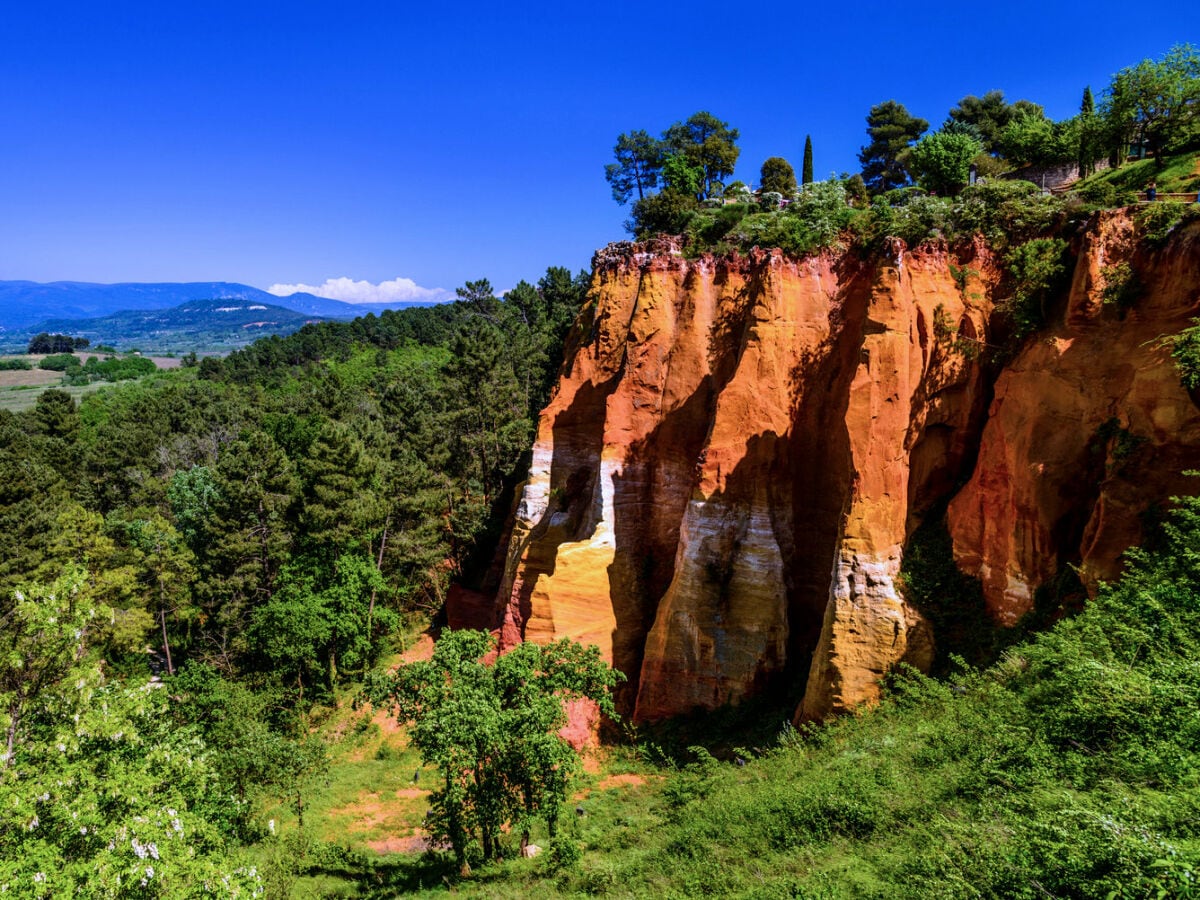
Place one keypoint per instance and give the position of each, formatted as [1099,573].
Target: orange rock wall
[1089,427]
[737,450]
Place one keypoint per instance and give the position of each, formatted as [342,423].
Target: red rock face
[1089,427]
[738,449]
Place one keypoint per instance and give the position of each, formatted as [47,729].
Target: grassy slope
[1071,768]
[1181,174]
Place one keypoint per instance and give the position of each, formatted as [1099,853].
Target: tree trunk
[14,715]
[166,643]
[457,839]
[162,612]
[378,568]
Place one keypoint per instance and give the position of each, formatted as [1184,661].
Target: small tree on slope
[492,731]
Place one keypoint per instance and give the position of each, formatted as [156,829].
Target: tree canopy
[705,141]
[778,175]
[988,115]
[639,159]
[1156,101]
[941,160]
[892,130]
[491,728]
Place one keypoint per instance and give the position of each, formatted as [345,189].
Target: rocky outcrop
[1089,427]
[911,412]
[738,449]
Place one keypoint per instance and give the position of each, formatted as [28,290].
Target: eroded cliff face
[1089,427]
[738,449]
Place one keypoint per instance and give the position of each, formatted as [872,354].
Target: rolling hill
[201,325]
[23,304]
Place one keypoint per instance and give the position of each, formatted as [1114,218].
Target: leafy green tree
[490,425]
[339,502]
[168,568]
[639,161]
[806,170]
[1157,101]
[989,114]
[31,494]
[56,343]
[1037,268]
[81,539]
[892,131]
[101,794]
[319,618]
[705,141]
[258,750]
[492,731]
[191,494]
[1036,140]
[47,630]
[56,419]
[778,175]
[682,176]
[941,161]
[247,538]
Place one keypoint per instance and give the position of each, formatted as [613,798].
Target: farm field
[20,389]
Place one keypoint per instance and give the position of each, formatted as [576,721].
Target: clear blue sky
[296,142]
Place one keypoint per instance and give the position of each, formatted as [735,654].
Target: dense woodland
[256,527]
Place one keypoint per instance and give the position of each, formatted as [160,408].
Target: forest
[253,531]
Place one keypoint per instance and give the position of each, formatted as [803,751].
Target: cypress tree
[806,170]
[1087,137]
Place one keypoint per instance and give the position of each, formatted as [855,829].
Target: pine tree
[892,130]
[806,170]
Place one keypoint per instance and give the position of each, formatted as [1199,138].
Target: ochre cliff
[738,449]
[1088,429]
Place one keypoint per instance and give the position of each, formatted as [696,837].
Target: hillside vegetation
[1070,768]
[203,572]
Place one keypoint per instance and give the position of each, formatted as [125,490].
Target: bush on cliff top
[822,216]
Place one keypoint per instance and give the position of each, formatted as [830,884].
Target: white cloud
[398,290]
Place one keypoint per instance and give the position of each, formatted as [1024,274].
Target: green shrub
[119,369]
[667,212]
[1158,220]
[1185,350]
[770,200]
[387,752]
[15,365]
[1105,195]
[922,218]
[59,362]
[812,222]
[564,853]
[1121,286]
[726,219]
[1037,268]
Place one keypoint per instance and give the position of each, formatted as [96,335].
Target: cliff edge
[738,449]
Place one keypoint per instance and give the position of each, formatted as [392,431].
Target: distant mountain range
[198,315]
[202,325]
[24,304]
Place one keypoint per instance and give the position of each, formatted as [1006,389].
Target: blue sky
[438,142]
